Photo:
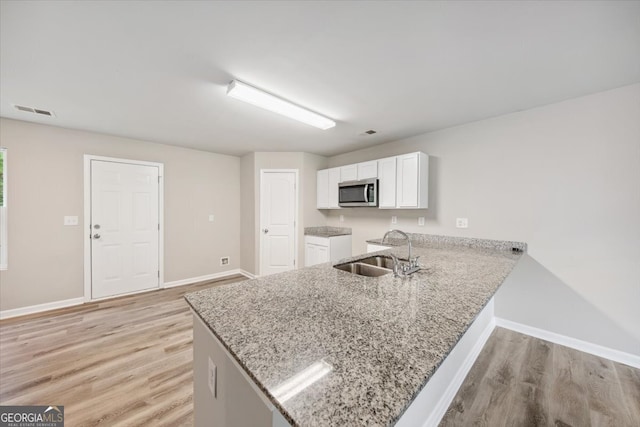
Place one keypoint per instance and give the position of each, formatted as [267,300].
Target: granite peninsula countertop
[327,231]
[383,337]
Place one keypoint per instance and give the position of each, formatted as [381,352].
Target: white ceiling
[158,70]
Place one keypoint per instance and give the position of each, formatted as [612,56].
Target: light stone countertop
[327,231]
[383,337]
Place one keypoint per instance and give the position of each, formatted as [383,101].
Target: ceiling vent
[368,132]
[34,110]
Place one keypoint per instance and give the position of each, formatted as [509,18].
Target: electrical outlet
[421,221]
[341,218]
[211,218]
[224,260]
[70,220]
[462,222]
[211,378]
[394,219]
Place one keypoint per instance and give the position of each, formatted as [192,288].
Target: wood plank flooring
[120,362]
[128,362]
[519,380]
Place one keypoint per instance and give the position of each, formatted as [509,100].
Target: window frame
[3,213]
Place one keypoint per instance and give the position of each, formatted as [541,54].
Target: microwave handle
[366,195]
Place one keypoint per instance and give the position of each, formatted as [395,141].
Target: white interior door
[278,210]
[125,228]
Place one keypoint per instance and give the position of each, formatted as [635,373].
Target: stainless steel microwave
[358,193]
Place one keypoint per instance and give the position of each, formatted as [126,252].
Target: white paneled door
[278,210]
[125,228]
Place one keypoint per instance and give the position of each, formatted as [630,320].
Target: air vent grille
[34,110]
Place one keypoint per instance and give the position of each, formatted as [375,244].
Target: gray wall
[46,183]
[307,166]
[565,178]
[248,212]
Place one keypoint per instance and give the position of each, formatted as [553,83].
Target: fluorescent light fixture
[259,98]
[303,379]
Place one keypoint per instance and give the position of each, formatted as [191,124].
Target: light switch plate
[341,218]
[394,219]
[211,218]
[421,220]
[70,220]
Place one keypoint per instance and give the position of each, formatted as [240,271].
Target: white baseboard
[249,275]
[587,347]
[6,314]
[192,280]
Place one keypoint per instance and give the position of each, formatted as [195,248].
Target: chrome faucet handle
[395,265]
[414,262]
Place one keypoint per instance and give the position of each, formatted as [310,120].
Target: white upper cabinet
[334,179]
[358,171]
[322,189]
[387,183]
[367,170]
[348,173]
[412,181]
[327,188]
[403,181]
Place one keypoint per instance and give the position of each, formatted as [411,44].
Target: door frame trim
[87,217]
[295,215]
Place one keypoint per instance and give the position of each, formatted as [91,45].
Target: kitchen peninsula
[321,346]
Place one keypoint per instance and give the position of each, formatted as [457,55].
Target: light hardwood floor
[120,362]
[127,362]
[519,380]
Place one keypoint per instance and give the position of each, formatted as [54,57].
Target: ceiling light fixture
[259,98]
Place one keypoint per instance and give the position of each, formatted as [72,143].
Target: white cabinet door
[334,179]
[387,182]
[407,189]
[315,254]
[310,254]
[322,189]
[322,254]
[412,180]
[368,170]
[349,173]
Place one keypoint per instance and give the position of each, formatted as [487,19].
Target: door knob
[97,226]
[96,236]
[265,231]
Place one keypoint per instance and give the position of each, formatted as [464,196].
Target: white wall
[565,178]
[46,179]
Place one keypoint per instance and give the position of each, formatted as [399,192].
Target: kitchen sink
[378,261]
[370,267]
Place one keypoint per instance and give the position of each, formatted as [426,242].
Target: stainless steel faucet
[400,269]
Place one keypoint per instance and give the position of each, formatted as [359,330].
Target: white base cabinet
[375,248]
[318,250]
